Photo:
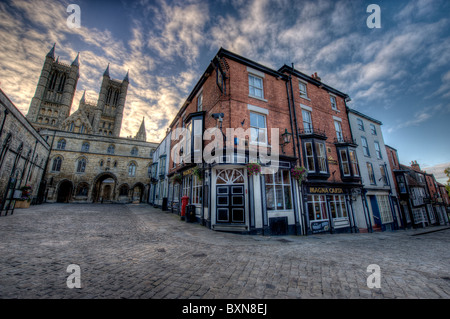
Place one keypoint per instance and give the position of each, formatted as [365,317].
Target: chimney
[316,77]
[415,166]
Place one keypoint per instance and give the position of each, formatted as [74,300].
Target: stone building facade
[88,161]
[23,154]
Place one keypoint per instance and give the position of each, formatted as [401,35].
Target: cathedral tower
[110,105]
[54,94]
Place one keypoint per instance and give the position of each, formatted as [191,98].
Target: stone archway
[104,185]
[138,192]
[65,189]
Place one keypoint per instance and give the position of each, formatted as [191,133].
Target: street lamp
[286,139]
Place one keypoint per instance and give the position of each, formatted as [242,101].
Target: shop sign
[319,227]
[326,190]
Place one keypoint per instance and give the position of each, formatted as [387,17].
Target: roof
[364,116]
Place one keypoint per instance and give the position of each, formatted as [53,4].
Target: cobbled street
[137,251]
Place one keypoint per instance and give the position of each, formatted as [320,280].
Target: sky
[398,74]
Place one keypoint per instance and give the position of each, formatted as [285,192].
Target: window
[81,166]
[101,163]
[255,86]
[309,153]
[383,175]
[132,170]
[371,174]
[317,207]
[71,127]
[197,193]
[111,149]
[258,128]
[134,151]
[82,129]
[385,211]
[365,146]
[186,186]
[333,102]
[56,167]
[378,150]
[85,147]
[307,121]
[302,89]
[278,190]
[338,127]
[354,162]
[200,102]
[61,144]
[373,129]
[115,163]
[82,189]
[337,207]
[321,157]
[162,165]
[345,162]
[360,124]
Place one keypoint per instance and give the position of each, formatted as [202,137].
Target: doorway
[64,192]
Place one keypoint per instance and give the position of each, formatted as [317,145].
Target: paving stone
[137,251]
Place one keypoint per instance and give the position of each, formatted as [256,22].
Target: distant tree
[447,172]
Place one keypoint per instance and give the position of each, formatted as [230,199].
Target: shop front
[328,208]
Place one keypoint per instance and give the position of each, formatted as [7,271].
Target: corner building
[237,93]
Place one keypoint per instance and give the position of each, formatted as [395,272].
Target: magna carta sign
[325,190]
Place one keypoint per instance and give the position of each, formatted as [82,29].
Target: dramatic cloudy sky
[399,74]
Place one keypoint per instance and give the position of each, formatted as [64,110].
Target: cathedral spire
[76,62]
[126,76]
[106,73]
[51,53]
[83,98]
[141,135]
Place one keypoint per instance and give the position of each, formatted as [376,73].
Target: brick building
[23,156]
[282,112]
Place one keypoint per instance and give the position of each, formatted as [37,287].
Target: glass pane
[270,197]
[287,197]
[268,178]
[279,197]
[333,209]
[311,209]
[278,177]
[253,119]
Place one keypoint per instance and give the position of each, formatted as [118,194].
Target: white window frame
[365,146]
[258,129]
[283,186]
[384,208]
[251,79]
[333,105]
[378,150]
[303,93]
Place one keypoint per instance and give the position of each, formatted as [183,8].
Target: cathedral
[89,161]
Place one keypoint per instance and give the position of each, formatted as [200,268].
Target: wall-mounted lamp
[286,139]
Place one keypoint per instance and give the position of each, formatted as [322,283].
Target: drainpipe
[31,166]
[367,210]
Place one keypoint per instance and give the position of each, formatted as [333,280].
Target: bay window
[315,158]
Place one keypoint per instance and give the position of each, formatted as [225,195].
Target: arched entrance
[64,192]
[104,188]
[138,193]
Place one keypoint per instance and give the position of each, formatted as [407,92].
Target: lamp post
[286,139]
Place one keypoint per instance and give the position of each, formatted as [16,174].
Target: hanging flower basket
[198,172]
[253,168]
[178,178]
[299,173]
[25,199]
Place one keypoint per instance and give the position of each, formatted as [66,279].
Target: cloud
[419,117]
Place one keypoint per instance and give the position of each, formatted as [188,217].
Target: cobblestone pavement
[136,251]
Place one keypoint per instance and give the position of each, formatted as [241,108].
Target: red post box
[184,202]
